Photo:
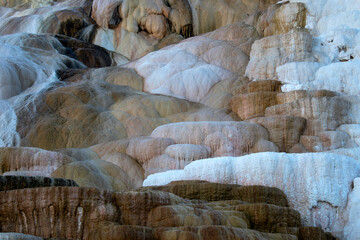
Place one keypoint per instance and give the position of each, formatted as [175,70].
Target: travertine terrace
[180,119]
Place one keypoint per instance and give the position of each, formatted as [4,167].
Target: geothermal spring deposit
[180,119]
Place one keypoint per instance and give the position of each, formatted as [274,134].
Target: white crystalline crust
[352,229]
[18,71]
[336,27]
[339,9]
[22,63]
[353,130]
[179,73]
[22,71]
[339,77]
[316,184]
[8,120]
[189,70]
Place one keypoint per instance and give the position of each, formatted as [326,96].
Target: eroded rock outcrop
[251,100]
[151,214]
[108,128]
[202,190]
[284,131]
[305,120]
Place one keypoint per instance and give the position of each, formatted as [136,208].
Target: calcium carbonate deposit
[180,119]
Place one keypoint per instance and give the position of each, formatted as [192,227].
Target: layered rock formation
[109,93]
[317,185]
[211,211]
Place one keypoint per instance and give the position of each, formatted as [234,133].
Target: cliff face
[119,94]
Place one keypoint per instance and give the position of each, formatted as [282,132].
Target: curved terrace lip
[194,119]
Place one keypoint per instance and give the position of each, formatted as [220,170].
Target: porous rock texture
[108,93]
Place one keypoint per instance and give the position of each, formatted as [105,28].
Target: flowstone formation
[179,119]
[201,210]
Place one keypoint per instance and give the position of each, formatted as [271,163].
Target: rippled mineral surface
[180,119]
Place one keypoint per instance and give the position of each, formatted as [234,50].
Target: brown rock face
[297,121]
[99,174]
[20,182]
[321,113]
[68,22]
[259,86]
[30,161]
[223,138]
[325,141]
[213,14]
[292,96]
[284,131]
[146,148]
[221,192]
[116,232]
[252,105]
[86,109]
[88,213]
[254,201]
[47,206]
[91,55]
[307,233]
[281,18]
[266,217]
[84,206]
[251,100]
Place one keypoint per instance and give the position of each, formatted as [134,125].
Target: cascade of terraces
[180,119]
